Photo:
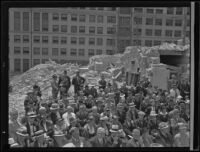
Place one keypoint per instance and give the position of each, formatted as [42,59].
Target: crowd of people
[104,115]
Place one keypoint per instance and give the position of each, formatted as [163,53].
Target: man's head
[101,132]
[102,77]
[65,72]
[77,73]
[36,89]
[54,76]
[164,127]
[74,131]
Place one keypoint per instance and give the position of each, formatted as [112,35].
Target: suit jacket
[78,81]
[102,84]
[65,80]
[96,143]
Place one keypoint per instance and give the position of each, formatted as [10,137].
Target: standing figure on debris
[55,87]
[65,82]
[102,83]
[78,82]
[31,102]
[137,77]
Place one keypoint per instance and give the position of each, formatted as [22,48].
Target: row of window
[63,40]
[56,51]
[170,10]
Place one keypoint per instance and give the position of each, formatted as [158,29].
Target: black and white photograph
[99,77]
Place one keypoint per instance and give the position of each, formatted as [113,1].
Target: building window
[17,50]
[36,51]
[25,39]
[91,52]
[81,29]
[158,32]
[92,18]
[54,51]
[25,21]
[73,52]
[158,22]
[17,38]
[99,19]
[138,10]
[36,21]
[55,40]
[92,8]
[17,21]
[149,21]
[170,10]
[148,43]
[125,10]
[169,22]
[44,39]
[100,8]
[73,17]
[25,50]
[63,51]
[63,28]
[148,32]
[73,40]
[45,21]
[99,41]
[64,17]
[44,61]
[99,52]
[17,65]
[63,61]
[177,33]
[55,28]
[157,42]
[81,52]
[137,31]
[73,29]
[136,42]
[63,40]
[25,65]
[45,51]
[82,18]
[159,11]
[81,40]
[138,20]
[91,30]
[36,39]
[110,30]
[110,42]
[150,10]
[99,30]
[109,52]
[91,41]
[179,11]
[111,19]
[36,62]
[55,16]
[178,22]
[168,33]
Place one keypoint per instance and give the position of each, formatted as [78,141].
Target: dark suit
[65,82]
[93,92]
[96,143]
[102,84]
[78,82]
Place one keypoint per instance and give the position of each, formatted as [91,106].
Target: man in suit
[65,82]
[102,83]
[78,82]
[100,140]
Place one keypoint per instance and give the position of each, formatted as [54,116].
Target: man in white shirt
[67,115]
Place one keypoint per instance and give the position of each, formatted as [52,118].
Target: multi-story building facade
[76,34]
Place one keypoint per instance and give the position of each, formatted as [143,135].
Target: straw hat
[131,104]
[54,106]
[114,128]
[163,125]
[182,126]
[141,113]
[153,113]
[42,110]
[31,114]
[101,130]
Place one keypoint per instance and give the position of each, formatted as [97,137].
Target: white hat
[179,97]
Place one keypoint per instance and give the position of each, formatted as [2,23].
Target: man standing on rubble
[65,82]
[102,83]
[78,82]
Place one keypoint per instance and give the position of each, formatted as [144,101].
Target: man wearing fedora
[78,82]
[55,87]
[136,139]
[64,81]
[182,139]
[132,113]
[31,102]
[93,91]
[163,136]
[100,140]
